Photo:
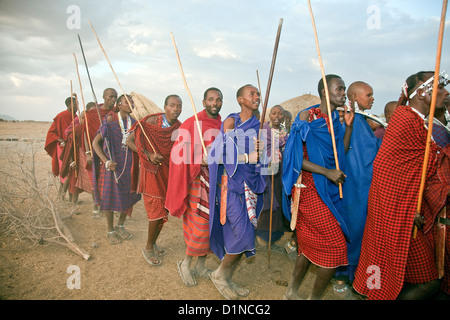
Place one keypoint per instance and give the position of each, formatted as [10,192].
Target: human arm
[349,117]
[88,151]
[334,175]
[97,145]
[154,158]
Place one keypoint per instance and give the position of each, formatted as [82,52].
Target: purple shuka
[108,194]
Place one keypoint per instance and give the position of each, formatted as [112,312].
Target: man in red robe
[150,171]
[188,186]
[55,139]
[393,263]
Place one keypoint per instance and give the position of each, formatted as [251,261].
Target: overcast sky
[221,44]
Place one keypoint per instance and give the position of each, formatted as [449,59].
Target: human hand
[336,176]
[110,165]
[154,158]
[349,116]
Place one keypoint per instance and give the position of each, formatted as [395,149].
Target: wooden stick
[271,200]
[121,88]
[432,108]
[263,114]
[73,128]
[327,95]
[272,67]
[271,193]
[96,107]
[84,106]
[189,93]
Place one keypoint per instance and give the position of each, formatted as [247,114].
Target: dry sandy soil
[39,272]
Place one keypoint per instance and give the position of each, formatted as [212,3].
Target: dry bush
[31,209]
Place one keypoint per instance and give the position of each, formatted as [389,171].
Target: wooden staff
[431,115]
[96,107]
[272,67]
[84,106]
[327,95]
[262,119]
[271,193]
[73,128]
[121,88]
[190,95]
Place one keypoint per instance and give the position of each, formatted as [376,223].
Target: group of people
[346,190]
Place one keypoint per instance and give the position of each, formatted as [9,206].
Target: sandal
[151,257]
[124,234]
[204,273]
[113,238]
[95,214]
[159,251]
[242,292]
[187,279]
[340,287]
[224,288]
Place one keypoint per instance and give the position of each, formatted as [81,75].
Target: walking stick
[84,106]
[327,95]
[121,88]
[73,129]
[432,107]
[263,116]
[272,67]
[96,106]
[190,95]
[271,193]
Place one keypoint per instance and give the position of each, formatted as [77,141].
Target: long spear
[96,106]
[73,128]
[84,106]
[190,95]
[432,107]
[121,88]
[327,95]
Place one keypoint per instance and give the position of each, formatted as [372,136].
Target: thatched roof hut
[295,105]
[144,106]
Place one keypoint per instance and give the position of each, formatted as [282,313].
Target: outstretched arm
[334,175]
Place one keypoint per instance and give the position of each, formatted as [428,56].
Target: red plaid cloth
[92,123]
[188,148]
[67,155]
[196,216]
[148,178]
[319,236]
[387,242]
[436,198]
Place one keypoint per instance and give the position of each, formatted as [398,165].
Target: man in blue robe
[233,158]
[359,160]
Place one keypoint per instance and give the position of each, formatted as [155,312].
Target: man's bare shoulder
[228,124]
[304,116]
[151,120]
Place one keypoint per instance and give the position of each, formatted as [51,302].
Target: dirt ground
[118,272]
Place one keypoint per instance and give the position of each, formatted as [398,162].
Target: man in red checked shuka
[188,188]
[55,139]
[393,264]
[150,171]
